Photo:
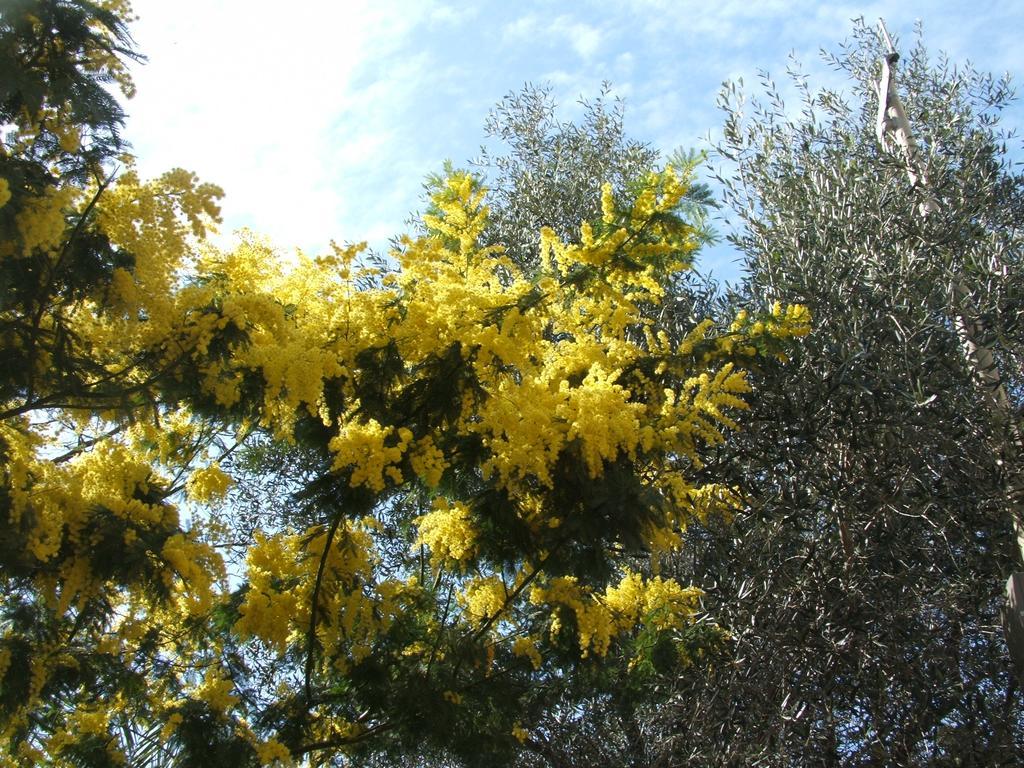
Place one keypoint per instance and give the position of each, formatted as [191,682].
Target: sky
[320,119]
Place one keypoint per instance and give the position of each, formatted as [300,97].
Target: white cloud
[583,38]
[562,31]
[522,28]
[251,96]
[446,14]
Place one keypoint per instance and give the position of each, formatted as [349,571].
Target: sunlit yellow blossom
[484,598]
[428,461]
[170,726]
[371,451]
[209,483]
[274,753]
[448,532]
[525,646]
[41,222]
[215,690]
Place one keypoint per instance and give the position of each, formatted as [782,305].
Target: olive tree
[863,581]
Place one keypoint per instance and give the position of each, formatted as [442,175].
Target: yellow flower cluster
[83,723]
[215,690]
[484,598]
[659,603]
[551,356]
[527,646]
[158,222]
[662,603]
[595,625]
[208,483]
[170,726]
[371,451]
[41,222]
[448,533]
[712,500]
[63,507]
[273,753]
[195,571]
[790,321]
[292,323]
[282,573]
[272,610]
[428,462]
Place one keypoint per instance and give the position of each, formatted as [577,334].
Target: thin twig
[311,635]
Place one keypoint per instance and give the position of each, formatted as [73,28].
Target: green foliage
[58,57]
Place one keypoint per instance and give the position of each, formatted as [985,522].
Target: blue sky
[320,119]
